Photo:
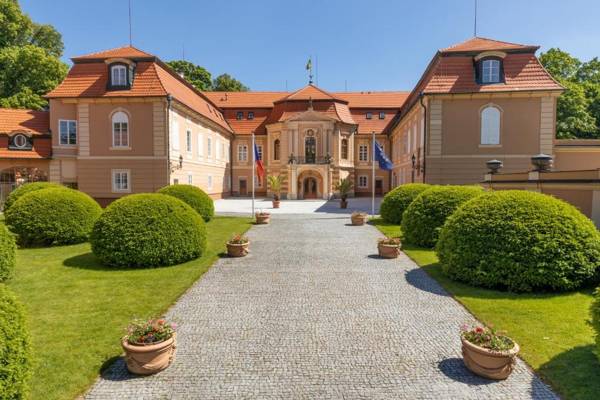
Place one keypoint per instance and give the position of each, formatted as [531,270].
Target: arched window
[118,75]
[490,125]
[344,149]
[120,129]
[490,70]
[276,150]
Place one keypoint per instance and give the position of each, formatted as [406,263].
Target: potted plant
[389,247]
[149,345]
[488,353]
[344,187]
[262,217]
[359,218]
[237,246]
[275,183]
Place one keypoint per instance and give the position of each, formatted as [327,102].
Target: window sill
[65,146]
[121,191]
[119,148]
[489,146]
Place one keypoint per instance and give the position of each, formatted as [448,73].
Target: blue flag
[384,162]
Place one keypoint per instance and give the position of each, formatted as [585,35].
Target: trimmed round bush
[8,251]
[595,321]
[193,197]
[15,351]
[520,241]
[424,217]
[27,188]
[396,201]
[148,230]
[53,216]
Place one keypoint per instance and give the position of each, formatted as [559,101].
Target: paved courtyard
[312,313]
[239,205]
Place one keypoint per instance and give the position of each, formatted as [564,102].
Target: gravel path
[311,313]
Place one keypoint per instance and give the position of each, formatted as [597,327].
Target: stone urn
[359,218]
[237,249]
[389,247]
[263,218]
[276,203]
[148,359]
[343,203]
[488,363]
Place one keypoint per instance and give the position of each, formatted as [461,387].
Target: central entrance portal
[310,188]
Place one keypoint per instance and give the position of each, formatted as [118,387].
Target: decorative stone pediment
[311,115]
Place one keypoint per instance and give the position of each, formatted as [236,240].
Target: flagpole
[373,177]
[253,166]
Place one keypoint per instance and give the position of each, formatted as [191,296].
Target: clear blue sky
[374,45]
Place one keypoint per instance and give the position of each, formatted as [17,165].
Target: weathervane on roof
[309,69]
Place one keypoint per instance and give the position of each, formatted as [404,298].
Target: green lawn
[551,329]
[78,310]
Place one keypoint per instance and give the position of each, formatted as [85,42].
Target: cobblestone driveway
[311,313]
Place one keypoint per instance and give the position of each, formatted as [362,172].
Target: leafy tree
[589,71]
[572,116]
[194,74]
[15,27]
[560,64]
[46,37]
[226,83]
[26,74]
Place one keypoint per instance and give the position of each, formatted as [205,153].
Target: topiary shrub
[27,188]
[15,351]
[424,217]
[8,251]
[194,197]
[396,201]
[595,321]
[148,230]
[53,216]
[520,241]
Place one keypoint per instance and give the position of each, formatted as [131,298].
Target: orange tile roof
[246,126]
[522,72]
[484,44]
[374,99]
[374,124]
[30,121]
[119,52]
[42,148]
[245,99]
[308,92]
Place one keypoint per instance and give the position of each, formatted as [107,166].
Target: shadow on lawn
[90,262]
[575,373]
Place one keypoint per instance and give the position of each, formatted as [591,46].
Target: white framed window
[363,181]
[175,135]
[210,182]
[490,126]
[208,147]
[259,150]
[190,179]
[121,180]
[120,129]
[490,71]
[218,152]
[200,146]
[242,152]
[20,141]
[363,152]
[369,115]
[188,141]
[118,75]
[67,130]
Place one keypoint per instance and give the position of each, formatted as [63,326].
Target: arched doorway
[310,185]
[310,188]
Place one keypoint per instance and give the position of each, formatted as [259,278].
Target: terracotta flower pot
[237,250]
[359,219]
[263,218]
[344,203]
[388,250]
[489,363]
[276,203]
[149,359]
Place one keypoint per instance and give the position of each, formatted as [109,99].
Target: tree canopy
[29,58]
[226,83]
[578,108]
[202,79]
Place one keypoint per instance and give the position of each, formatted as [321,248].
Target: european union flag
[384,162]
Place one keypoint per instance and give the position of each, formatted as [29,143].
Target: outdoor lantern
[180,161]
[414,161]
[494,166]
[542,162]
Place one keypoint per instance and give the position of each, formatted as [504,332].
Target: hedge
[521,241]
[8,251]
[396,201]
[53,216]
[424,217]
[15,350]
[27,188]
[595,321]
[148,230]
[194,197]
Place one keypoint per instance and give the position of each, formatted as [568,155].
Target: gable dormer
[120,73]
[489,67]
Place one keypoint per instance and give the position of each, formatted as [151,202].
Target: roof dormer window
[490,71]
[120,76]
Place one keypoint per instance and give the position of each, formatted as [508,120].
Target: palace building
[123,122]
